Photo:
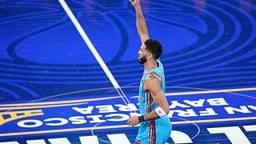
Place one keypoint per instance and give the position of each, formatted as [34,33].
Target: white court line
[94,51]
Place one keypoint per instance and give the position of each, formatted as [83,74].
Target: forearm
[157,113]
[162,109]
[141,24]
[151,116]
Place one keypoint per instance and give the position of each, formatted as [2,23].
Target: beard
[143,60]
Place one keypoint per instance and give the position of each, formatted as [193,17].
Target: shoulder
[154,76]
[153,81]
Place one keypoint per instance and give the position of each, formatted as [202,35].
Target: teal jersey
[155,131]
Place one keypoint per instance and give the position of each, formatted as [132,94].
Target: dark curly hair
[154,47]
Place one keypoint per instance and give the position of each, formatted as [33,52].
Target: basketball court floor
[69,72]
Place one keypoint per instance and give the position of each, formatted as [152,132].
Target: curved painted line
[119,126]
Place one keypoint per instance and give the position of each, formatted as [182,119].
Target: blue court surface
[54,91]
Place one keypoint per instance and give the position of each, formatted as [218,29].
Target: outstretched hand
[135,2]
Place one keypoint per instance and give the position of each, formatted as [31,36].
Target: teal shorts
[154,132]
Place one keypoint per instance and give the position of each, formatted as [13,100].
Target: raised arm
[140,21]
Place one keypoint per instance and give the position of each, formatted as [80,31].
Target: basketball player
[155,126]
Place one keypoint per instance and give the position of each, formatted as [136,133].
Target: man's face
[142,54]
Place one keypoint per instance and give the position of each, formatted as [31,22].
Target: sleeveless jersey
[154,131]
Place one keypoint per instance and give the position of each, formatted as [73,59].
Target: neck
[150,64]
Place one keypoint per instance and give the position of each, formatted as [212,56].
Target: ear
[150,55]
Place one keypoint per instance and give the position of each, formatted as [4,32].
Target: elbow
[167,111]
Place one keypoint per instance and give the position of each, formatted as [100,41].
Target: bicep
[157,94]
[158,97]
[154,86]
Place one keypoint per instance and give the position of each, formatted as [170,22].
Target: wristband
[141,119]
[160,112]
